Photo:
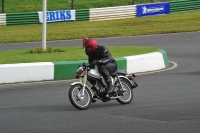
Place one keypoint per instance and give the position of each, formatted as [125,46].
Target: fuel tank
[94,74]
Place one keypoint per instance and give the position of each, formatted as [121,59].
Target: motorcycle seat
[119,72]
[122,72]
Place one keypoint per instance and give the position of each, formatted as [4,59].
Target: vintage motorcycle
[91,86]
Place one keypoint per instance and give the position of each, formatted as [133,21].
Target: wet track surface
[164,102]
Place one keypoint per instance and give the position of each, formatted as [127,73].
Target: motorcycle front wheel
[78,100]
[125,95]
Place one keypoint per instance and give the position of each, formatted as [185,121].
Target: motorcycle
[92,87]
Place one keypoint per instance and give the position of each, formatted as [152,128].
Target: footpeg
[93,101]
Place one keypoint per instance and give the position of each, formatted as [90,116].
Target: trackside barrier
[110,13]
[2,19]
[33,17]
[147,62]
[57,16]
[153,9]
[82,15]
[26,72]
[184,5]
[67,69]
[22,18]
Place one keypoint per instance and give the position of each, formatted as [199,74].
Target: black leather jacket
[102,54]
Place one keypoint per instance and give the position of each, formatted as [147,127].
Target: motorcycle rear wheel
[127,97]
[75,98]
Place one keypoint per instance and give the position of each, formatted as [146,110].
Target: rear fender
[133,83]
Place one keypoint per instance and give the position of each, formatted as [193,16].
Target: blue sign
[58,15]
[153,9]
[61,15]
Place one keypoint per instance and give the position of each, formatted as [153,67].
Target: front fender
[76,83]
[79,83]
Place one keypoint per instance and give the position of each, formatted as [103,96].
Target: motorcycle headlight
[79,71]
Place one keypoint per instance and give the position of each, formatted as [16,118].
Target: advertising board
[153,9]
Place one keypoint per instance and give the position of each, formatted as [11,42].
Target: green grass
[172,23]
[70,53]
[36,5]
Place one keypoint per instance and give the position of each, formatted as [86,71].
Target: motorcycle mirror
[84,64]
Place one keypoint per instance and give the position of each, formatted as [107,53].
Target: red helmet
[90,45]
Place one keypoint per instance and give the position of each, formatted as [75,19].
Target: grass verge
[172,23]
[70,53]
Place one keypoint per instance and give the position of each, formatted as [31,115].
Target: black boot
[110,87]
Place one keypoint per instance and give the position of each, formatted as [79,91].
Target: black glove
[95,62]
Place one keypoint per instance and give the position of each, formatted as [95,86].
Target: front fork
[83,81]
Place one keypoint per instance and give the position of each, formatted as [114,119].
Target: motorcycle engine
[96,78]
[99,89]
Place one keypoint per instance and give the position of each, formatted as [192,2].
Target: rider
[100,56]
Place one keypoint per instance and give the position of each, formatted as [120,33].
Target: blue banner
[153,9]
[61,15]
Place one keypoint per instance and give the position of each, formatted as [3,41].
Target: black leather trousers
[106,69]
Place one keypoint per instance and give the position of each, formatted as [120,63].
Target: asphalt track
[165,102]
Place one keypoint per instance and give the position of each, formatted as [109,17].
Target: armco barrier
[184,5]
[2,19]
[26,72]
[94,14]
[82,15]
[110,13]
[22,18]
[32,17]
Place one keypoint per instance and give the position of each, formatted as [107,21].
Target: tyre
[125,95]
[78,101]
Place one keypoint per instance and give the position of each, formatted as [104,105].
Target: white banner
[54,16]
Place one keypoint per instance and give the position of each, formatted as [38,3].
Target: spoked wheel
[78,100]
[125,93]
